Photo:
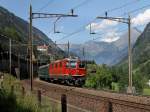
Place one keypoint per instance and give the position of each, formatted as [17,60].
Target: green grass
[115,87]
[16,102]
[146,91]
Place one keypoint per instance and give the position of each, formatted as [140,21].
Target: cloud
[111,36]
[105,24]
[141,18]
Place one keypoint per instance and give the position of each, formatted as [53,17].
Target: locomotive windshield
[71,64]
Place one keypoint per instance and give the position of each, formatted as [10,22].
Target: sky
[77,29]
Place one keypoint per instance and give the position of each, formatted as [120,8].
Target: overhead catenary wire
[82,28]
[135,10]
[132,11]
[85,2]
[75,7]
[121,30]
[46,5]
[81,4]
[85,25]
[122,6]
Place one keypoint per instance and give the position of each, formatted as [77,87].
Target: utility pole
[68,49]
[36,16]
[130,87]
[27,57]
[55,57]
[10,55]
[18,65]
[83,53]
[84,57]
[127,21]
[31,49]
[1,57]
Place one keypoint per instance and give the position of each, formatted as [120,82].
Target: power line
[82,28]
[122,30]
[122,6]
[135,10]
[81,4]
[110,10]
[77,6]
[73,33]
[108,32]
[46,5]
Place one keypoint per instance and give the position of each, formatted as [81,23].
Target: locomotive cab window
[71,64]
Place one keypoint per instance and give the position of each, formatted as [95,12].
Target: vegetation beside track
[115,79]
[12,99]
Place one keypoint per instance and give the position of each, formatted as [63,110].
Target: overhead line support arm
[46,15]
[121,20]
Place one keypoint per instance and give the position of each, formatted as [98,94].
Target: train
[71,71]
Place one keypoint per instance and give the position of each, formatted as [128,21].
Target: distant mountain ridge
[103,52]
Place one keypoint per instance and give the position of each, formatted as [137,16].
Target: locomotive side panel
[68,70]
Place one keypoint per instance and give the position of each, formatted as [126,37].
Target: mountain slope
[141,53]
[17,29]
[141,50]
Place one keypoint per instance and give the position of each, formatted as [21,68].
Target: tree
[101,79]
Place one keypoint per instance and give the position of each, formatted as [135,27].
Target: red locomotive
[68,70]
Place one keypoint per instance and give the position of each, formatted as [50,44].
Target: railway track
[87,100]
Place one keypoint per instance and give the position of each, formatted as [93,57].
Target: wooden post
[39,97]
[63,103]
[2,85]
[23,91]
[12,89]
[109,108]
[10,56]
[1,81]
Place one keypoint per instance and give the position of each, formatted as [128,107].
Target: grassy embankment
[15,101]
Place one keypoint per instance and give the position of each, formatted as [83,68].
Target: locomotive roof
[66,59]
